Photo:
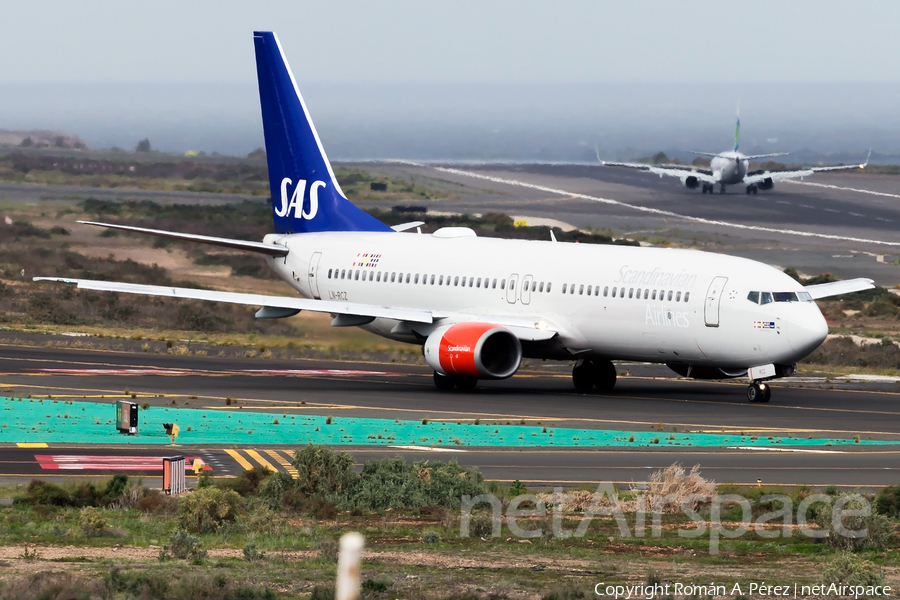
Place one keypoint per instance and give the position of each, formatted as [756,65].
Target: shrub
[568,592]
[206,510]
[253,554]
[92,521]
[183,545]
[248,482]
[322,471]
[887,502]
[328,549]
[271,491]
[878,528]
[42,493]
[431,537]
[153,501]
[668,488]
[847,568]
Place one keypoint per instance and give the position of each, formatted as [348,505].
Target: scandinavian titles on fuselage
[656,277]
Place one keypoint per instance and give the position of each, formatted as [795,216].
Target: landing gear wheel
[583,375]
[443,382]
[722,189]
[767,393]
[751,189]
[755,393]
[605,376]
[466,384]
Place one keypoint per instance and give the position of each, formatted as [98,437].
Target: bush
[272,490]
[322,471]
[328,549]
[431,537]
[847,568]
[42,493]
[887,502]
[205,510]
[392,483]
[92,521]
[878,529]
[668,488]
[183,545]
[248,482]
[565,593]
[253,554]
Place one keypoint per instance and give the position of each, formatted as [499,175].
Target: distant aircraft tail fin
[737,128]
[306,196]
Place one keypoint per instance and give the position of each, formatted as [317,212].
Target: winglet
[868,156]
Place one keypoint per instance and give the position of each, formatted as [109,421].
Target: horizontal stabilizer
[260,247]
[837,288]
[271,302]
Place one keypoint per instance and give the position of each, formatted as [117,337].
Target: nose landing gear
[759,391]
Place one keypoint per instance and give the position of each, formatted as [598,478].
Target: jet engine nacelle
[766,184]
[479,350]
[690,182]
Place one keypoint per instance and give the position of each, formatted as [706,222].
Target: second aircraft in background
[731,167]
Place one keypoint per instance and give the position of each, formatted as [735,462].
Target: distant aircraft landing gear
[752,189]
[707,188]
[759,392]
[588,374]
[722,189]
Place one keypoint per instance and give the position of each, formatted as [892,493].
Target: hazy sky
[509,41]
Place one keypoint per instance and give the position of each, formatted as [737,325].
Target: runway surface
[643,404]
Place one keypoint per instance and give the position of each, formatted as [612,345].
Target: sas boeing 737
[730,168]
[477,306]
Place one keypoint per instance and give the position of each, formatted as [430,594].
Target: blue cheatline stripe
[70,422]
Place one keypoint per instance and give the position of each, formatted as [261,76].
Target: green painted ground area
[69,422]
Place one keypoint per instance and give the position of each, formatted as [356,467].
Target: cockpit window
[753,297]
[765,297]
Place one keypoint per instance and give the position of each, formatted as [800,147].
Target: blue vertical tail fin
[306,196]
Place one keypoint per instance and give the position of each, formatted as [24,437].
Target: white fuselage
[729,167]
[618,302]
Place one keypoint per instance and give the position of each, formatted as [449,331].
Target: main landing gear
[598,373]
[752,189]
[448,382]
[759,391]
[707,188]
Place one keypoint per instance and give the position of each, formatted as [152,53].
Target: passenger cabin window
[564,288]
[589,290]
[478,283]
[548,287]
[631,292]
[329,273]
[494,284]
[581,290]
[646,294]
[678,297]
[456,281]
[670,296]
[572,289]
[606,291]
[687,296]
[502,284]
[541,288]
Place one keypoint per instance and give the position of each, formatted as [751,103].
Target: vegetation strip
[34,420]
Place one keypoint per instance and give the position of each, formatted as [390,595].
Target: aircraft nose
[807,330]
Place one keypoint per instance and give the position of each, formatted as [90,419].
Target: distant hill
[41,139]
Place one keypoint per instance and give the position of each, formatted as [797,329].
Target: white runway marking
[655,211]
[837,187]
[427,448]
[764,449]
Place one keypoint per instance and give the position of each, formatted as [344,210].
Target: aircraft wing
[781,175]
[770,155]
[260,247]
[669,171]
[524,328]
[837,288]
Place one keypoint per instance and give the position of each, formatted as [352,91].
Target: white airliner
[730,168]
[477,306]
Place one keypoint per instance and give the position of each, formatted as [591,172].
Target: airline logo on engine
[295,205]
[459,349]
